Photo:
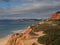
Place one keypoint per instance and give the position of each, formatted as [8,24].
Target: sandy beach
[4,40]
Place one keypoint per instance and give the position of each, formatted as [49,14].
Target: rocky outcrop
[23,38]
[18,38]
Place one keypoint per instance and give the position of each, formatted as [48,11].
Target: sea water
[8,27]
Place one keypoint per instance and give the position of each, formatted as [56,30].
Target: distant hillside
[20,20]
[46,32]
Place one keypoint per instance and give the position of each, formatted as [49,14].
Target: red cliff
[55,15]
[24,38]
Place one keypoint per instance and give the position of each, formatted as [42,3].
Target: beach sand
[4,40]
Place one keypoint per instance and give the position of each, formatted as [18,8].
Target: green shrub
[52,36]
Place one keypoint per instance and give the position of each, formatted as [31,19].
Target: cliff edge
[36,34]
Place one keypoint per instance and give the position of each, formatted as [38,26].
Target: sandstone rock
[23,38]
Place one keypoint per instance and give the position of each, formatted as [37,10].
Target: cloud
[36,9]
[27,0]
[16,0]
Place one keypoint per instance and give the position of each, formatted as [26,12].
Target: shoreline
[4,40]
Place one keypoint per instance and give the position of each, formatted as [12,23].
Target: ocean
[8,27]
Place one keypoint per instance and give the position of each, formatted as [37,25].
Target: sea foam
[17,31]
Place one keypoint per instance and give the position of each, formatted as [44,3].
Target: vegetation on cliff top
[52,32]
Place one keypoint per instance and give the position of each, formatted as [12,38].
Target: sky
[17,9]
[6,4]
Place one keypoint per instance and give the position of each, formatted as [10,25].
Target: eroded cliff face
[17,39]
[24,38]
